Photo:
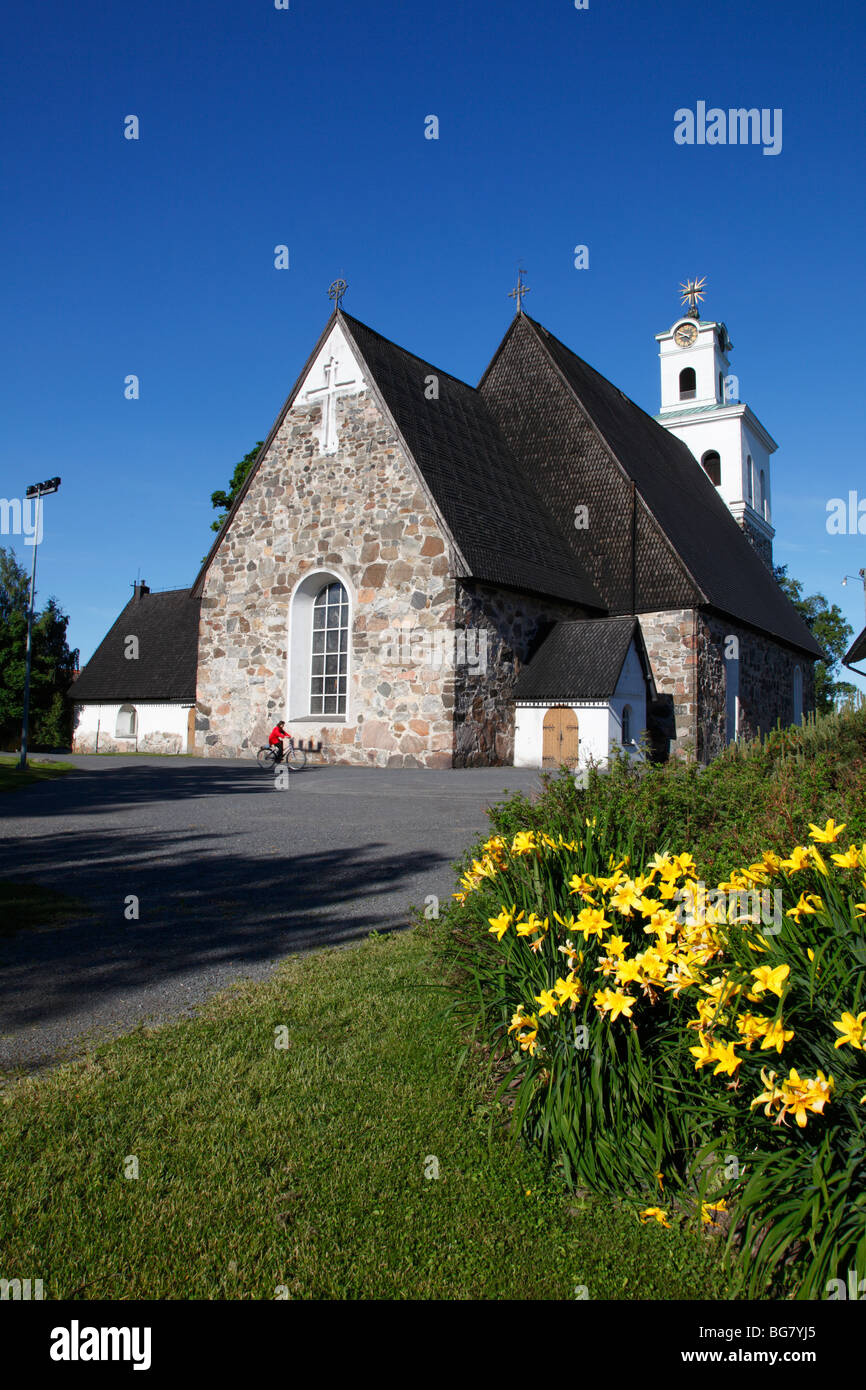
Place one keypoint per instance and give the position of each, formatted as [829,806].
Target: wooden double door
[561,738]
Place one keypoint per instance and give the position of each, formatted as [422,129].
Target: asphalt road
[230,874]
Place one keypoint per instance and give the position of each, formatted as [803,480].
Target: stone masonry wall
[671,643]
[506,629]
[363,514]
[758,542]
[766,682]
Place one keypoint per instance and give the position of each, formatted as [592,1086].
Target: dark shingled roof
[493,511]
[166,626]
[857,651]
[579,660]
[726,569]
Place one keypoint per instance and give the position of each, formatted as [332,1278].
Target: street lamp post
[861,575]
[38,491]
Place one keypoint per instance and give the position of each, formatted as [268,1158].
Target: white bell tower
[701,405]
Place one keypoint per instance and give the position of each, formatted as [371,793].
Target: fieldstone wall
[497,632]
[362,515]
[672,646]
[765,682]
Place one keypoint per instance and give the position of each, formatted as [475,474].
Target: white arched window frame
[127,722]
[765,501]
[750,483]
[320,648]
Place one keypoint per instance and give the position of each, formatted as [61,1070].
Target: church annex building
[422,573]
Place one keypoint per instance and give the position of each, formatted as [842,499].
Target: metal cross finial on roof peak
[693,295]
[520,291]
[336,292]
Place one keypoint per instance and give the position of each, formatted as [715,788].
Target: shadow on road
[197,912]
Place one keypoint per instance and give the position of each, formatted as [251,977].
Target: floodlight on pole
[37,491]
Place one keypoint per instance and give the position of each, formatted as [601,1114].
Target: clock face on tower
[686,334]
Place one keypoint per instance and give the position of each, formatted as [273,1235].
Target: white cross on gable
[328,394]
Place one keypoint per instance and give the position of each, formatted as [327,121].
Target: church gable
[334,507]
[610,529]
[708,560]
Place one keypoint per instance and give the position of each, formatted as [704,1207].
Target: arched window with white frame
[320,648]
[127,722]
[626,724]
[329,660]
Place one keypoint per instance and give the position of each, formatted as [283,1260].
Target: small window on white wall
[626,724]
[750,487]
[798,695]
[126,722]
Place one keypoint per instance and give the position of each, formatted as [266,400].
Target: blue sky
[305,127]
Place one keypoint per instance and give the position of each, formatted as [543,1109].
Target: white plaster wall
[162,727]
[593,728]
[630,690]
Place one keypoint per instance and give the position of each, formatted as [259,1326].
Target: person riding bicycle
[279,737]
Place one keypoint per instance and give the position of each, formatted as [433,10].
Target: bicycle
[270,756]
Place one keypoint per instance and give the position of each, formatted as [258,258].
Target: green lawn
[304,1167]
[12,777]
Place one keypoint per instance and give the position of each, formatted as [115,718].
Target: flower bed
[696,1049]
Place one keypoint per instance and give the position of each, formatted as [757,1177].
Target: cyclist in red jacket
[278,736]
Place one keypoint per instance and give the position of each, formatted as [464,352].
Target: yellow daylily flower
[532,925]
[499,925]
[800,858]
[849,860]
[524,842]
[727,1059]
[772,979]
[771,1095]
[613,1002]
[582,884]
[829,834]
[657,1214]
[809,902]
[626,899]
[704,1053]
[752,1027]
[569,990]
[777,1035]
[592,922]
[709,1211]
[548,1003]
[852,1030]
[803,1096]
[627,971]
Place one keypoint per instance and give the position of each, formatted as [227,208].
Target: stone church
[422,573]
